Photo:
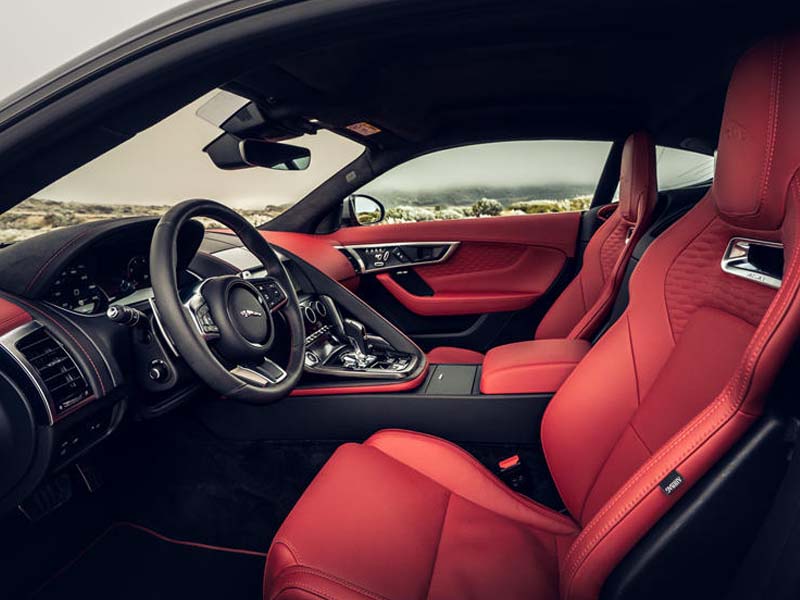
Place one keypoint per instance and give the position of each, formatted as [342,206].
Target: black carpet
[187,483]
[127,562]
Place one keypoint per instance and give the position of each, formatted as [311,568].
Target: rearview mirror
[362,209]
[230,153]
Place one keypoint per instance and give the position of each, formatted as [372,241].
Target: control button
[158,371]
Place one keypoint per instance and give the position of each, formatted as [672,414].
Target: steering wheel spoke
[201,316]
[265,374]
[272,291]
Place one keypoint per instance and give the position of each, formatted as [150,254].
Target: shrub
[487,207]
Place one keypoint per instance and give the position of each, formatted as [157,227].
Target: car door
[475,259]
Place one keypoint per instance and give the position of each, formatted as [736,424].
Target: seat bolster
[459,472]
[450,355]
[304,583]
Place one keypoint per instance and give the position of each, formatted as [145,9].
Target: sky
[504,164]
[165,164]
[41,35]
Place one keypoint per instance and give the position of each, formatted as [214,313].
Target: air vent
[61,376]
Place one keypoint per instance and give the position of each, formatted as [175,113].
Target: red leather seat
[656,402]
[581,308]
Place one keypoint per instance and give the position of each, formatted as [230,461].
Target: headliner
[507,70]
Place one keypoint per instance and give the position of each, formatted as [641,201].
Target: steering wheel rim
[253,383]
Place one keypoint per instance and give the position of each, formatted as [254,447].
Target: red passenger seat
[586,302]
[654,404]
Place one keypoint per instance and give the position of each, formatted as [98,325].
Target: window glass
[164,165]
[682,168]
[487,180]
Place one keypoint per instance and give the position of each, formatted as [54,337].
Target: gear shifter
[356,334]
[358,358]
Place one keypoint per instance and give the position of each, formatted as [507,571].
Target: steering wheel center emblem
[247,313]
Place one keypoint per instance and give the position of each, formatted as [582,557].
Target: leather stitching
[772,129]
[56,254]
[481,470]
[298,570]
[73,338]
[729,400]
[439,541]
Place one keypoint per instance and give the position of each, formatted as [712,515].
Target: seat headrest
[637,177]
[759,142]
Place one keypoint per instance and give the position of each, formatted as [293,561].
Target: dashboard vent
[61,376]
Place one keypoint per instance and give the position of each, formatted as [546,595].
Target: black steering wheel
[225,329]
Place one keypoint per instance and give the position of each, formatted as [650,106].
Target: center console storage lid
[535,367]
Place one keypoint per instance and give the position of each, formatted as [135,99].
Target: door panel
[498,274]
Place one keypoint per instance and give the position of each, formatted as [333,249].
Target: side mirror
[230,153]
[361,209]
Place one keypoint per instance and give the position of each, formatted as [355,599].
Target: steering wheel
[225,329]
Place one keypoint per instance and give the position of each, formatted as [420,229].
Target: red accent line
[67,244]
[72,337]
[155,534]
[187,543]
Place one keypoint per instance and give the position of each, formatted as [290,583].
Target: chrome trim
[351,250]
[8,342]
[736,261]
[195,303]
[161,328]
[366,373]
[254,377]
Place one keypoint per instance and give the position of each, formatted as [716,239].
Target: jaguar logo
[247,313]
[735,131]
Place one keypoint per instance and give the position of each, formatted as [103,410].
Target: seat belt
[770,568]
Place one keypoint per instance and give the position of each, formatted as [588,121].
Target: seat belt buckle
[512,471]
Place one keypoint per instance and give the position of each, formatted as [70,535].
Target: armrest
[535,367]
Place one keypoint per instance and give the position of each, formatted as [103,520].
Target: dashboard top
[88,267]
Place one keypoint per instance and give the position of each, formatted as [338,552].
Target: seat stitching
[605,460]
[774,112]
[325,575]
[486,475]
[439,541]
[734,388]
[640,438]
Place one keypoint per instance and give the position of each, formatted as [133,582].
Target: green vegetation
[35,216]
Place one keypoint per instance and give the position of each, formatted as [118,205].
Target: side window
[489,180]
[682,168]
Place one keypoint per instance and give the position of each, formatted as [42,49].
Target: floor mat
[131,562]
[187,483]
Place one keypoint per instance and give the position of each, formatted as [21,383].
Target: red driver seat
[657,401]
[584,304]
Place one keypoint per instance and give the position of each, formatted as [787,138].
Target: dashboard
[110,271]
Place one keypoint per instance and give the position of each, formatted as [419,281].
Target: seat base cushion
[450,355]
[406,515]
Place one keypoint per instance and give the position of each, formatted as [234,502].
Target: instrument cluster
[89,285]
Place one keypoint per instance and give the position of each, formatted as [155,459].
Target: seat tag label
[671,483]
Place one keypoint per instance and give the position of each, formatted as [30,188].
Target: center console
[342,347]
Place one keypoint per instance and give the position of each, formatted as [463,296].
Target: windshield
[164,165]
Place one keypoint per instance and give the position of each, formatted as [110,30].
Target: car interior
[576,397]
